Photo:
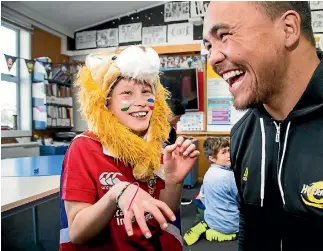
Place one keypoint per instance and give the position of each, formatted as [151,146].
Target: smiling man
[266,53]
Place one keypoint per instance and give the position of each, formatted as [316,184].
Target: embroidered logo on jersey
[312,195]
[109,179]
[245,175]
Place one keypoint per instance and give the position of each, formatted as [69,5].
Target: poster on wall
[317,21]
[85,40]
[318,41]
[130,33]
[222,112]
[191,121]
[154,35]
[176,11]
[198,8]
[217,87]
[181,62]
[316,5]
[107,38]
[180,33]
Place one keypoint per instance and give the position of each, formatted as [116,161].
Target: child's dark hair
[212,145]
[176,107]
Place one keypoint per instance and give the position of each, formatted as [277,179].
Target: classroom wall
[44,44]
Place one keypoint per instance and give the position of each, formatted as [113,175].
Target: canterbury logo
[109,179]
[245,175]
[312,195]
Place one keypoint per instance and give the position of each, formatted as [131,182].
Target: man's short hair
[275,8]
[176,107]
[212,145]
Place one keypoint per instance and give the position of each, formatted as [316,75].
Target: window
[9,88]
[15,87]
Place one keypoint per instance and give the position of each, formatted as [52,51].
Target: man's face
[246,49]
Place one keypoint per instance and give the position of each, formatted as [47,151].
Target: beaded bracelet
[121,193]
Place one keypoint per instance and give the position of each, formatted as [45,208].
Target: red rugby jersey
[89,171]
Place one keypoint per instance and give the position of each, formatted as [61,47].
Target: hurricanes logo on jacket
[312,195]
[109,179]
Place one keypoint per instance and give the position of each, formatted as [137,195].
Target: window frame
[17,80]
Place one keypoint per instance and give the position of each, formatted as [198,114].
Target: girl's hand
[178,160]
[141,203]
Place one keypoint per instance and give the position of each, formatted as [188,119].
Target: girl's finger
[154,210]
[140,218]
[189,150]
[165,209]
[128,222]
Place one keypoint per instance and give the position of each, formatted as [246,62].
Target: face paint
[128,103]
[151,106]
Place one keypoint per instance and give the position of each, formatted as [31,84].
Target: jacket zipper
[277,139]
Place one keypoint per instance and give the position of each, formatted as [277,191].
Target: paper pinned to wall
[198,8]
[154,35]
[85,40]
[317,21]
[217,87]
[221,114]
[107,38]
[316,5]
[176,11]
[180,33]
[130,33]
[191,121]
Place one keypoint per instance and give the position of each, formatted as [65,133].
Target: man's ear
[292,28]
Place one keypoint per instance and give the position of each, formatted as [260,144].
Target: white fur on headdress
[135,62]
[139,63]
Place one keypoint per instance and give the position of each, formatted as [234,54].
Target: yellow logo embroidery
[245,175]
[312,195]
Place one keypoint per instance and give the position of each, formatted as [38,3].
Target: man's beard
[258,95]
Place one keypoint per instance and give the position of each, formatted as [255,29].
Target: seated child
[114,194]
[219,196]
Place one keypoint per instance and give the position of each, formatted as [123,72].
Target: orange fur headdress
[95,81]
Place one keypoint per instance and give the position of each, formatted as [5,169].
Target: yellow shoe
[193,235]
[213,235]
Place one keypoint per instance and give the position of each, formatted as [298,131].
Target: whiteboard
[130,33]
[180,33]
[85,40]
[154,35]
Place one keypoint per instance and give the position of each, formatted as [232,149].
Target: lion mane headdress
[95,82]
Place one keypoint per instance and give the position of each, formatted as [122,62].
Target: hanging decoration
[10,61]
[30,65]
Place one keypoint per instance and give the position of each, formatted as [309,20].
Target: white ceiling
[78,15]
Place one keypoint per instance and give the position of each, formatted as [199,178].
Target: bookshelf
[52,99]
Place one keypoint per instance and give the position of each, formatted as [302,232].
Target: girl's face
[132,103]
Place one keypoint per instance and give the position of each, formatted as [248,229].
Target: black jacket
[278,167]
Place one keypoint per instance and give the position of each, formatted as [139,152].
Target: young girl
[114,194]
